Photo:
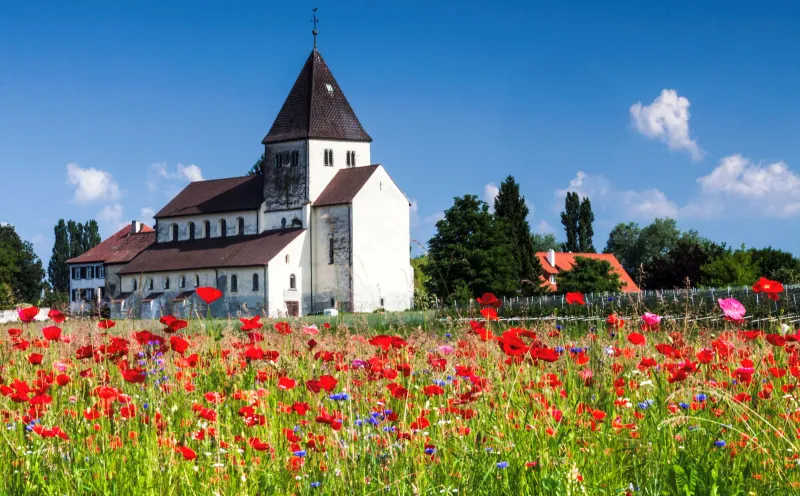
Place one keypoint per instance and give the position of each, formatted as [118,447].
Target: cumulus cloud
[159,172]
[91,184]
[586,185]
[649,203]
[146,213]
[544,227]
[111,215]
[667,119]
[490,192]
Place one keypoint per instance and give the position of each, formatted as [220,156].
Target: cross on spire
[314,31]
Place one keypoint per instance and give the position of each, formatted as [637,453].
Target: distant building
[553,261]
[93,275]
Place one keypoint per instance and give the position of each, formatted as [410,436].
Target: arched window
[223,228]
[191,230]
[196,281]
[207,229]
[183,282]
[174,232]
[283,223]
[292,282]
[287,258]
[166,282]
[150,284]
[241,226]
[234,283]
[134,284]
[255,282]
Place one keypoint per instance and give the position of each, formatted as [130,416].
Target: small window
[207,229]
[329,157]
[381,302]
[351,158]
[223,228]
[333,302]
[277,160]
[329,87]
[183,282]
[100,271]
[191,230]
[292,282]
[552,279]
[150,284]
[166,282]
[134,284]
[90,272]
[196,281]
[234,283]
[255,282]
[240,227]
[330,251]
[295,158]
[283,223]
[83,273]
[287,258]
[174,232]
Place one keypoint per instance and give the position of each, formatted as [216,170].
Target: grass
[595,421]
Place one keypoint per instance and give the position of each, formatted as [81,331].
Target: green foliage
[585,229]
[623,243]
[54,299]
[20,268]
[470,249]
[512,212]
[730,268]
[544,242]
[682,262]
[589,275]
[258,167]
[422,298]
[570,218]
[773,263]
[634,246]
[57,270]
[91,236]
[6,296]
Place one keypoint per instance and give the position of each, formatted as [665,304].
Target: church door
[293,308]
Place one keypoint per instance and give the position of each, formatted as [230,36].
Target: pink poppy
[732,309]
[651,320]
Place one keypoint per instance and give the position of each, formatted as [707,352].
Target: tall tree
[589,275]
[91,235]
[732,268]
[634,246]
[544,242]
[623,243]
[258,167]
[772,262]
[20,268]
[512,212]
[585,229]
[75,231]
[683,262]
[569,219]
[57,270]
[470,253]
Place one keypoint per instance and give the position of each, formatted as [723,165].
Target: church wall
[331,281]
[231,220]
[285,187]
[274,219]
[381,246]
[280,271]
[321,174]
[113,287]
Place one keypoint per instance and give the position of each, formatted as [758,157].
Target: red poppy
[208,295]
[258,444]
[56,316]
[614,321]
[178,344]
[35,358]
[284,383]
[283,328]
[433,390]
[489,313]
[15,333]
[326,325]
[575,298]
[52,333]
[251,324]
[636,338]
[328,382]
[135,376]
[187,452]
[176,325]
[106,324]
[489,300]
[771,288]
[27,315]
[167,319]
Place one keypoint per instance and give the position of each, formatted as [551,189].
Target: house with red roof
[553,262]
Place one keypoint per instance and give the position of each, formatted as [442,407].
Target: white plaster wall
[331,280]
[320,174]
[207,278]
[272,220]
[279,272]
[231,218]
[381,246]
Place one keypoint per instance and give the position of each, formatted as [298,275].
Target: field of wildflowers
[638,405]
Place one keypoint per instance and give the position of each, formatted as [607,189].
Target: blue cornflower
[701,397]
[145,406]
[448,335]
[373,421]
[316,484]
[390,428]
[490,450]
[610,298]
[430,451]
[644,405]
[719,443]
[559,327]
[502,464]
[685,406]
[559,349]
[339,397]
[440,382]
[300,453]
[359,422]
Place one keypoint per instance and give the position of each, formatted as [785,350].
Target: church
[320,228]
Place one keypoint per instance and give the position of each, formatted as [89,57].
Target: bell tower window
[329,157]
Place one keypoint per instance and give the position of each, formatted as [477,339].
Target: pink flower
[732,309]
[651,320]
[312,330]
[445,349]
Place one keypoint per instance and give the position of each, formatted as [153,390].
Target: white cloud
[650,203]
[433,218]
[159,172]
[737,183]
[92,184]
[190,172]
[544,227]
[592,186]
[667,119]
[5,224]
[146,214]
[111,215]
[490,192]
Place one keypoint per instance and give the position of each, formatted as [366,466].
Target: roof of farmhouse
[120,246]
[207,253]
[216,195]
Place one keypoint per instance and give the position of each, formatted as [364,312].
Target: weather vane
[314,31]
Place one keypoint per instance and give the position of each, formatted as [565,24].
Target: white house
[320,228]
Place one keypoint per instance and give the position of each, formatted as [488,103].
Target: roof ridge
[223,179]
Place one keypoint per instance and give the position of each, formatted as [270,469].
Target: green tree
[91,236]
[470,250]
[771,262]
[544,242]
[585,229]
[75,231]
[512,212]
[634,247]
[570,218]
[623,243]
[20,268]
[258,167]
[57,270]
[589,275]
[422,299]
[684,260]
[731,268]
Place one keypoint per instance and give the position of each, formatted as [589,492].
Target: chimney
[136,226]
[551,258]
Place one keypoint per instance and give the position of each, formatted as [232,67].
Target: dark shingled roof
[121,297]
[152,297]
[132,246]
[183,296]
[345,185]
[313,111]
[109,246]
[208,253]
[216,195]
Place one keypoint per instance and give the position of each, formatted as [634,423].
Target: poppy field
[640,405]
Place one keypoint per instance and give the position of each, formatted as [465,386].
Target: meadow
[632,405]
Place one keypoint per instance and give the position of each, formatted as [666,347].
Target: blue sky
[650,109]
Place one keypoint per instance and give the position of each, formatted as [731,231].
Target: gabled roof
[565,261]
[132,246]
[109,246]
[316,108]
[345,185]
[216,195]
[208,253]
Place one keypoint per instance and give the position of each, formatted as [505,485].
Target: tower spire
[314,31]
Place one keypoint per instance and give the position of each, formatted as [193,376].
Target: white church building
[322,227]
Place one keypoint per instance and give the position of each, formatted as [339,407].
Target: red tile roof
[108,247]
[208,253]
[216,195]
[132,246]
[316,108]
[565,261]
[345,185]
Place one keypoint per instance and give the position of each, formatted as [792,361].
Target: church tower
[315,134]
